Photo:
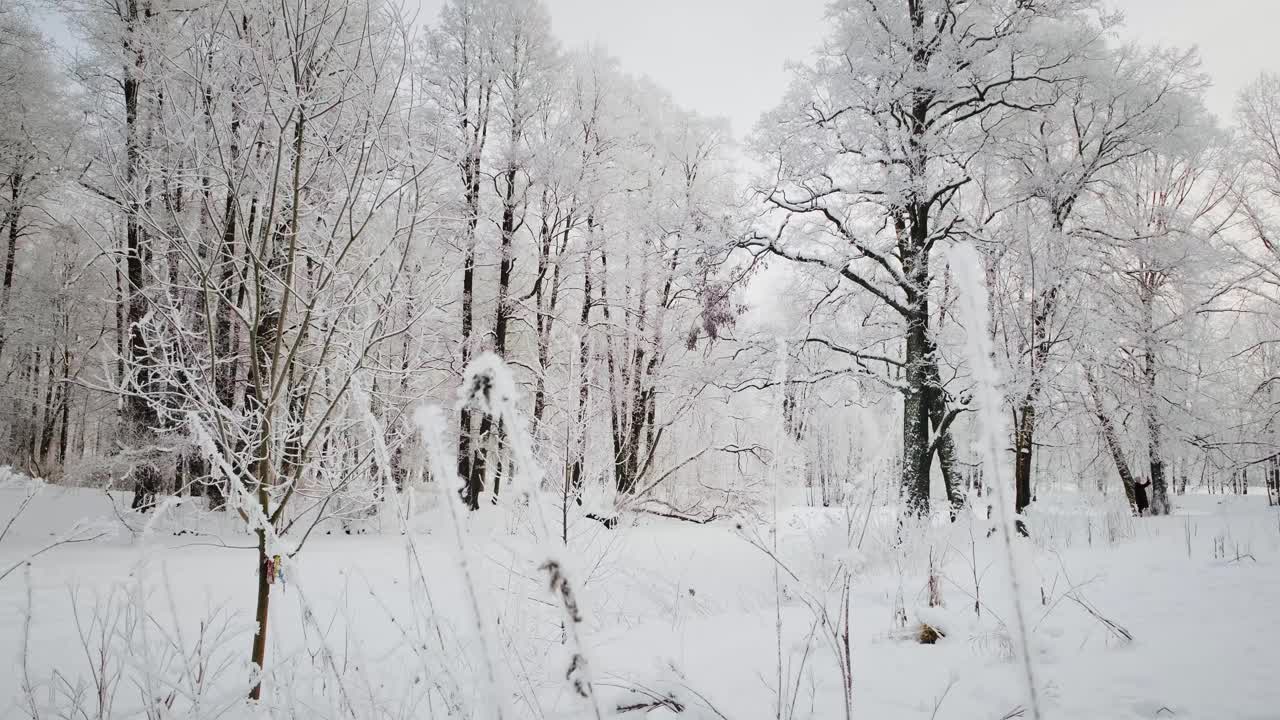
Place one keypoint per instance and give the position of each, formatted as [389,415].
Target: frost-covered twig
[489,388]
[28,688]
[431,424]
[973,297]
[731,449]
[835,629]
[667,510]
[70,538]
[937,704]
[22,507]
[326,653]
[1073,594]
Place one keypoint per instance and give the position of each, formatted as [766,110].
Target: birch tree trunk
[1112,440]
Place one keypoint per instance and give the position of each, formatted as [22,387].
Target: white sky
[725,57]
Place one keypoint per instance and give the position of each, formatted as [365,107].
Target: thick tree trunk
[1023,449]
[137,408]
[1155,428]
[911,223]
[915,419]
[919,356]
[1025,414]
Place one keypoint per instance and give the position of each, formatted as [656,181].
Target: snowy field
[1147,618]
[639,383]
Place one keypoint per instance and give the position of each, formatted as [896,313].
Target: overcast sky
[725,57]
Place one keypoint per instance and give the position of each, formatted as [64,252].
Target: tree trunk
[1025,414]
[1112,441]
[272,371]
[1155,428]
[1023,448]
[944,441]
[911,223]
[540,320]
[12,219]
[633,421]
[471,490]
[918,359]
[49,417]
[617,377]
[505,263]
[64,408]
[137,410]
[915,419]
[63,431]
[474,132]
[580,418]
[259,657]
[490,434]
[547,304]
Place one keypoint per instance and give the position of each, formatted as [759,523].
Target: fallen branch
[609,522]
[667,510]
[678,516]
[1072,593]
[668,702]
[730,449]
[1115,628]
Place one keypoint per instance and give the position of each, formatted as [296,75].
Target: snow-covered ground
[379,625]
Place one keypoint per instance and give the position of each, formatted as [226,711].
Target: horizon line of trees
[244,239]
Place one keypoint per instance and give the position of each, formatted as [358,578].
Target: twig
[663,702]
[937,704]
[45,549]
[675,513]
[1114,627]
[1073,594]
[35,490]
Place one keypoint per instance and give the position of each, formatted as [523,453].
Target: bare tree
[869,153]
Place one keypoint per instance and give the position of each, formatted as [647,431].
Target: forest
[506,386]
